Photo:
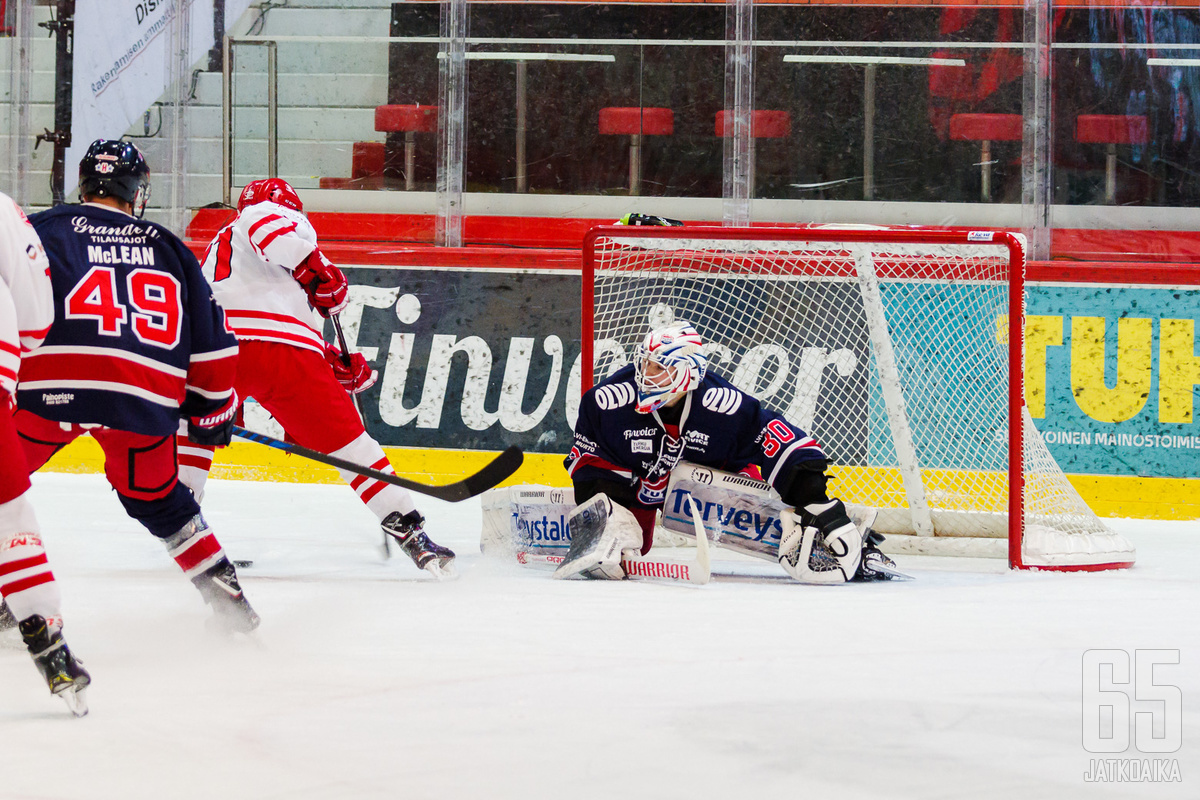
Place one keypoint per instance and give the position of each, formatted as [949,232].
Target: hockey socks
[201,557]
[383,499]
[26,581]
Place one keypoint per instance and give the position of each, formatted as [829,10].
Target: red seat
[763,124]
[409,120]
[635,123]
[986,128]
[1111,130]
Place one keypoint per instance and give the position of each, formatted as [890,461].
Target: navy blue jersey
[721,426]
[137,338]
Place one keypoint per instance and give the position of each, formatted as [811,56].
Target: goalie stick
[703,567]
[493,472]
[641,567]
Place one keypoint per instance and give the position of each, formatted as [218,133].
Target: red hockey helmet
[274,190]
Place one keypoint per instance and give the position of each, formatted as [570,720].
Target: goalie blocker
[822,544]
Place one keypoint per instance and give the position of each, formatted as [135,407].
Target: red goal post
[895,347]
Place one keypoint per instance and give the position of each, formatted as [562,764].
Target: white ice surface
[369,679]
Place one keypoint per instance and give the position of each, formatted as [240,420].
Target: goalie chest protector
[722,427]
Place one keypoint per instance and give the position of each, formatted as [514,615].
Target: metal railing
[227,46]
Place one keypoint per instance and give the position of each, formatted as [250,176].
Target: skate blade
[442,571]
[891,572]
[76,700]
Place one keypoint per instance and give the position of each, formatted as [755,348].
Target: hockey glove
[820,544]
[323,281]
[216,429]
[355,377]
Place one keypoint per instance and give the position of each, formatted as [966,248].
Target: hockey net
[893,347]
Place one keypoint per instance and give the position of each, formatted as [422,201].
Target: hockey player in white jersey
[268,273]
[31,597]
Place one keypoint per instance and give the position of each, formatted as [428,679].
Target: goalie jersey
[137,339]
[249,265]
[720,426]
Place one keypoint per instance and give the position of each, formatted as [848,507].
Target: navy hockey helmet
[112,168]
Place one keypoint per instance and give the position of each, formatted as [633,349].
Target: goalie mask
[112,168]
[668,364]
[270,190]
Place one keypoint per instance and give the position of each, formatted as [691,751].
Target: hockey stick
[641,567]
[493,473]
[341,337]
[703,567]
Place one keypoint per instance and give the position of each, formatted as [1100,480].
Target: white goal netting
[892,347]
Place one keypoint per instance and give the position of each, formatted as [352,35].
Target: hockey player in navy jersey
[637,425]
[137,343]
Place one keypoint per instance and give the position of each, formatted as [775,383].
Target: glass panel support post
[452,123]
[736,182]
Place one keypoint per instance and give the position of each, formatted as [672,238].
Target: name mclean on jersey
[123,254]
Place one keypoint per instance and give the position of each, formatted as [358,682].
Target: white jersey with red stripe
[249,265]
[26,296]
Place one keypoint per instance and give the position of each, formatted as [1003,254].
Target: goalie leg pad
[601,533]
[820,545]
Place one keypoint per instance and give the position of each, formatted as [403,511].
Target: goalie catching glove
[325,284]
[355,376]
[601,533]
[820,544]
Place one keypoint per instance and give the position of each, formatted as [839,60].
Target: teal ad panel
[1111,374]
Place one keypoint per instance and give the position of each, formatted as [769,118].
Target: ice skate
[875,564]
[409,532]
[220,588]
[63,673]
